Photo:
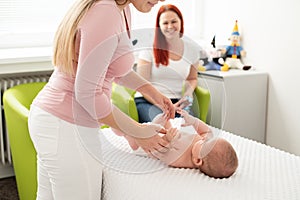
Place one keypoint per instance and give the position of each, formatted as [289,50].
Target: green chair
[16,103]
[123,98]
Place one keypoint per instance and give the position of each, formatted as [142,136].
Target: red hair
[160,45]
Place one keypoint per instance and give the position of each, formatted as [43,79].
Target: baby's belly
[179,151]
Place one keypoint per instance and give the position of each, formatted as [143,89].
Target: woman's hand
[163,103]
[184,102]
[172,133]
[154,143]
[168,108]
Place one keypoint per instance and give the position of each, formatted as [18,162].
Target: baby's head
[217,159]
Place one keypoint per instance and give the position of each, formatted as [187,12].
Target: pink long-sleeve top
[103,55]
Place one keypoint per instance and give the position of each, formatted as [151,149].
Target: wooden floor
[8,189]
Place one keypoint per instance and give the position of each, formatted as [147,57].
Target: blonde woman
[92,48]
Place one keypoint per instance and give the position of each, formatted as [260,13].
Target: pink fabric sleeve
[132,80]
[99,32]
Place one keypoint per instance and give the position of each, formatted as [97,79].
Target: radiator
[6,168]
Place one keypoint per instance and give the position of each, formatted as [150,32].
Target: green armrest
[123,98]
[201,102]
[16,103]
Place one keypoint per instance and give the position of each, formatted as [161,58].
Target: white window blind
[31,23]
[25,23]
[190,9]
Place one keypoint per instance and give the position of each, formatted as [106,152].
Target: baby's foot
[132,143]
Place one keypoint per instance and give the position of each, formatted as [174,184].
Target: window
[190,9]
[31,23]
[25,23]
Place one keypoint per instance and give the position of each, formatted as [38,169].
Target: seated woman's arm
[191,83]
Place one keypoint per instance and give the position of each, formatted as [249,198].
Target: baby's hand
[160,119]
[188,119]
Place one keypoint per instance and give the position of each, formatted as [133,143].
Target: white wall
[270,31]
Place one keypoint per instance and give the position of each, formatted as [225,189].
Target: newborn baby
[194,146]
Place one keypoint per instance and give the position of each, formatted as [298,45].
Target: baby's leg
[117,132]
[131,142]
[129,139]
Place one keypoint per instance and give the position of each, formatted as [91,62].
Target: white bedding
[264,173]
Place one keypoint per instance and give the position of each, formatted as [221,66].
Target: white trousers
[66,169]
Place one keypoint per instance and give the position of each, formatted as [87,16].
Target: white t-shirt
[169,79]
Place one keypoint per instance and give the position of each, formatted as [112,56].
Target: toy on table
[234,52]
[214,59]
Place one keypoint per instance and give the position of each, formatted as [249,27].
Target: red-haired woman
[170,65]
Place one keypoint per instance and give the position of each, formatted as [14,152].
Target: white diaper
[176,122]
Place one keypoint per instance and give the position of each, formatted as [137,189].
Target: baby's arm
[200,127]
[160,119]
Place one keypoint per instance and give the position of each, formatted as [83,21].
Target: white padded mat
[264,173]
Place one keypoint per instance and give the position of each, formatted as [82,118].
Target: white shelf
[230,73]
[238,101]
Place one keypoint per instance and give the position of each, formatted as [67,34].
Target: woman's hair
[64,40]
[160,45]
